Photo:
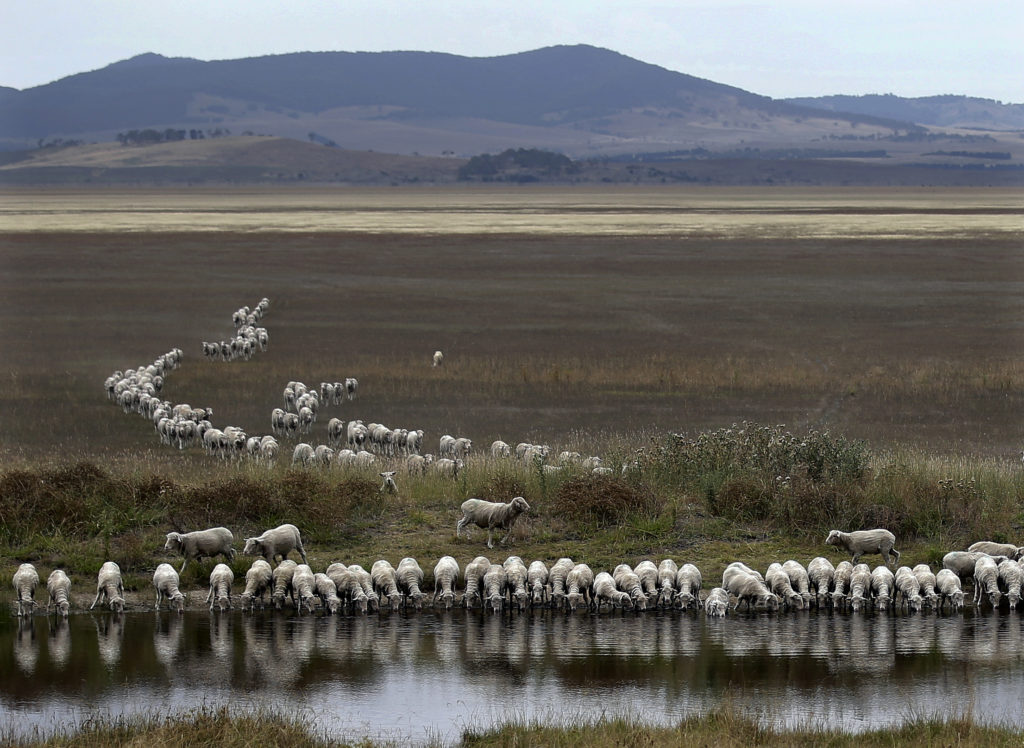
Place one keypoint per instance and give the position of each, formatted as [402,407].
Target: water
[431,675]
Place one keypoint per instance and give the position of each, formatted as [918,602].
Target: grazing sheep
[302,584]
[258,580]
[362,577]
[648,574]
[462,448]
[200,544]
[109,587]
[926,579]
[410,577]
[327,591]
[578,583]
[389,485]
[165,580]
[537,579]
[221,579]
[605,590]
[841,583]
[556,578]
[303,454]
[962,563]
[446,445]
[447,467]
[475,571]
[515,581]
[908,589]
[986,581]
[865,541]
[799,580]
[280,541]
[778,582]
[717,603]
[500,450]
[446,576]
[385,583]
[998,549]
[820,574]
[748,588]
[347,586]
[491,515]
[627,581]
[26,580]
[860,586]
[59,587]
[283,583]
[688,583]
[1010,578]
[495,584]
[947,584]
[437,359]
[883,586]
[667,571]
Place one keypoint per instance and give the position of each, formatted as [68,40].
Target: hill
[941,111]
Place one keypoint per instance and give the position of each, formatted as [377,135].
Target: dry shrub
[501,487]
[740,499]
[603,499]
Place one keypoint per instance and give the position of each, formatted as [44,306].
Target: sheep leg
[182,569]
[896,553]
[462,523]
[100,592]
[157,606]
[856,558]
[490,541]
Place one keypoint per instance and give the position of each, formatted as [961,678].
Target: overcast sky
[778,48]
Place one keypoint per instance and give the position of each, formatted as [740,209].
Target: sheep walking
[200,544]
[280,541]
[667,571]
[947,584]
[717,603]
[109,587]
[537,579]
[866,541]
[998,549]
[25,580]
[410,577]
[820,575]
[491,515]
[258,580]
[446,576]
[475,571]
[579,581]
[221,579]
[606,591]
[59,588]
[165,581]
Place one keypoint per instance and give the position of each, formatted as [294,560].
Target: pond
[431,675]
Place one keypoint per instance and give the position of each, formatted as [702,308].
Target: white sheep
[667,571]
[908,589]
[500,450]
[515,581]
[302,583]
[327,591]
[537,579]
[283,583]
[883,586]
[495,585]
[199,544]
[947,584]
[389,485]
[841,583]
[475,571]
[437,359]
[26,579]
[820,573]
[347,582]
[447,467]
[385,583]
[446,576]
[446,445]
[303,454]
[998,549]
[688,583]
[778,582]
[221,579]
[59,588]
[280,541]
[1010,578]
[605,590]
[410,578]
[362,577]
[962,563]
[109,587]
[351,387]
[860,586]
[860,542]
[258,579]
[556,578]
[717,602]
[648,574]
[986,581]
[926,579]
[491,515]
[165,581]
[748,587]
[578,583]
[627,581]
[799,580]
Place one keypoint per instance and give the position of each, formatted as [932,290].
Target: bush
[604,500]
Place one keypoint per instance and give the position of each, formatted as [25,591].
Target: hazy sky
[774,47]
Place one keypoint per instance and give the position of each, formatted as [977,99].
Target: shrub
[603,499]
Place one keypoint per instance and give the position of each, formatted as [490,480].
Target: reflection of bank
[26,648]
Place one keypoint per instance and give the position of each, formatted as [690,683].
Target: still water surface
[431,675]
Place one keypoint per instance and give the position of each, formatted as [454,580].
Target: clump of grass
[604,500]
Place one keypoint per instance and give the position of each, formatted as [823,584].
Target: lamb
[820,573]
[201,544]
[59,587]
[648,574]
[537,579]
[1010,578]
[799,580]
[986,581]
[605,590]
[579,582]
[746,587]
[778,582]
[500,450]
[446,575]
[688,583]
[26,580]
[258,580]
[860,542]
[998,549]
[667,571]
[841,583]
[947,584]
[327,591]
[908,589]
[410,577]
[437,359]
[283,583]
[385,583]
[717,602]
[165,580]
[302,583]
[627,581]
[556,578]
[280,541]
[491,515]
[883,585]
[494,587]
[110,587]
[926,580]
[475,571]
[860,586]
[221,579]
[515,581]
[389,485]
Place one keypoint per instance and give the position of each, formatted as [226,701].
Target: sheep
[348,581]
[389,485]
[25,580]
[462,448]
[282,576]
[109,587]
[799,580]
[410,577]
[568,458]
[717,602]
[860,586]
[351,387]
[986,581]
[491,515]
[280,541]
[500,450]
[926,579]
[59,587]
[446,575]
[820,573]
[578,582]
[356,435]
[385,583]
[627,581]
[1010,578]
[688,583]
[908,589]
[778,582]
[740,566]
[667,571]
[165,580]
[962,563]
[860,542]
[437,359]
[475,571]
[947,584]
[362,576]
[495,583]
[303,454]
[200,544]
[841,583]
[556,578]
[998,549]
[414,442]
[883,586]
[537,579]
[447,467]
[648,574]
[269,449]
[605,590]
[302,583]
[221,579]
[323,455]
[515,581]
[258,580]
[327,591]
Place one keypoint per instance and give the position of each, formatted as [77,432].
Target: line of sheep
[248,338]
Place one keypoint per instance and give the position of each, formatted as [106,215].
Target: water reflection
[110,638]
[26,648]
